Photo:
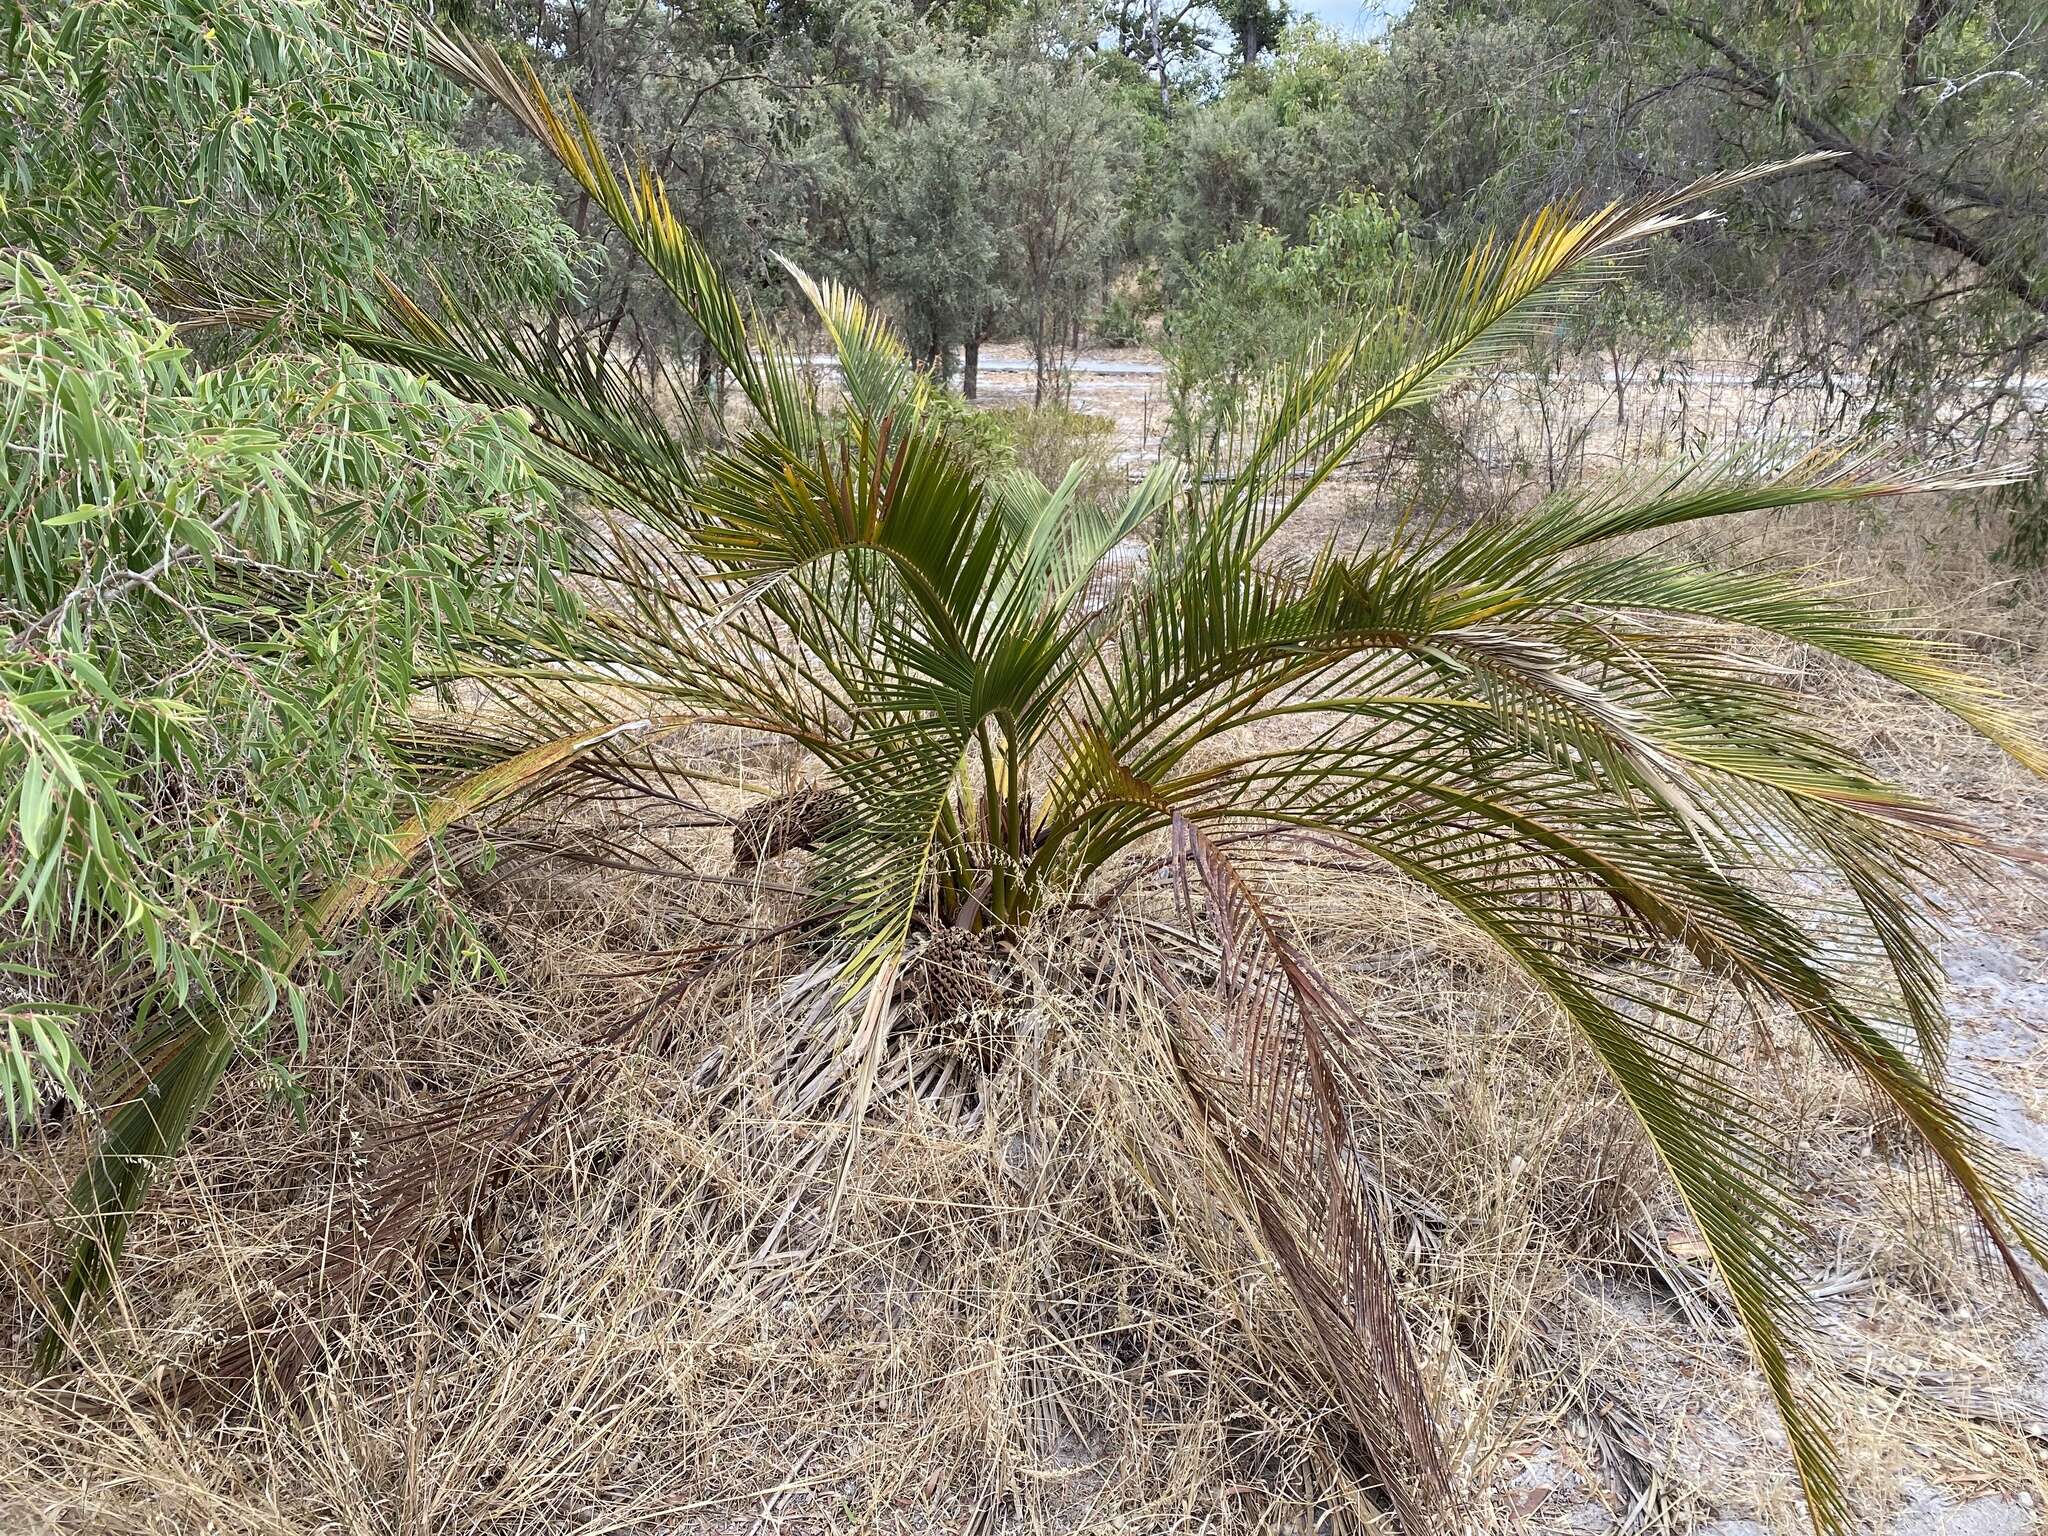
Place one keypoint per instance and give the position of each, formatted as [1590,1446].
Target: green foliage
[1427,118]
[2026,506]
[1049,441]
[1635,317]
[1046,441]
[982,438]
[1121,320]
[269,132]
[1259,300]
[226,592]
[1255,25]
[743,105]
[913,212]
[37,1055]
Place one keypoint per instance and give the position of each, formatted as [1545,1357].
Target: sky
[1364,17]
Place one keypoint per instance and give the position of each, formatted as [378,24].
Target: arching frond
[1301,426]
[637,204]
[875,372]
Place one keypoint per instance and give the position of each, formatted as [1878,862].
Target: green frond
[1304,424]
[638,205]
[1714,1141]
[874,366]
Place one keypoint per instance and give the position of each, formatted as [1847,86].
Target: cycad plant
[1009,699]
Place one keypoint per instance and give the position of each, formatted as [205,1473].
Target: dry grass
[1024,1315]
[650,1328]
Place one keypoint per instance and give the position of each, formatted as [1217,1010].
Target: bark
[1158,50]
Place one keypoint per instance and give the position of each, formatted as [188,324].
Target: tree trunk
[970,366]
[708,371]
[1158,51]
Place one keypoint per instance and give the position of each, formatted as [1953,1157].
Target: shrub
[228,596]
[1049,439]
[984,438]
[1121,321]
[1259,301]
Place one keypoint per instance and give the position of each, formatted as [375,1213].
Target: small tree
[1257,301]
[912,199]
[1055,178]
